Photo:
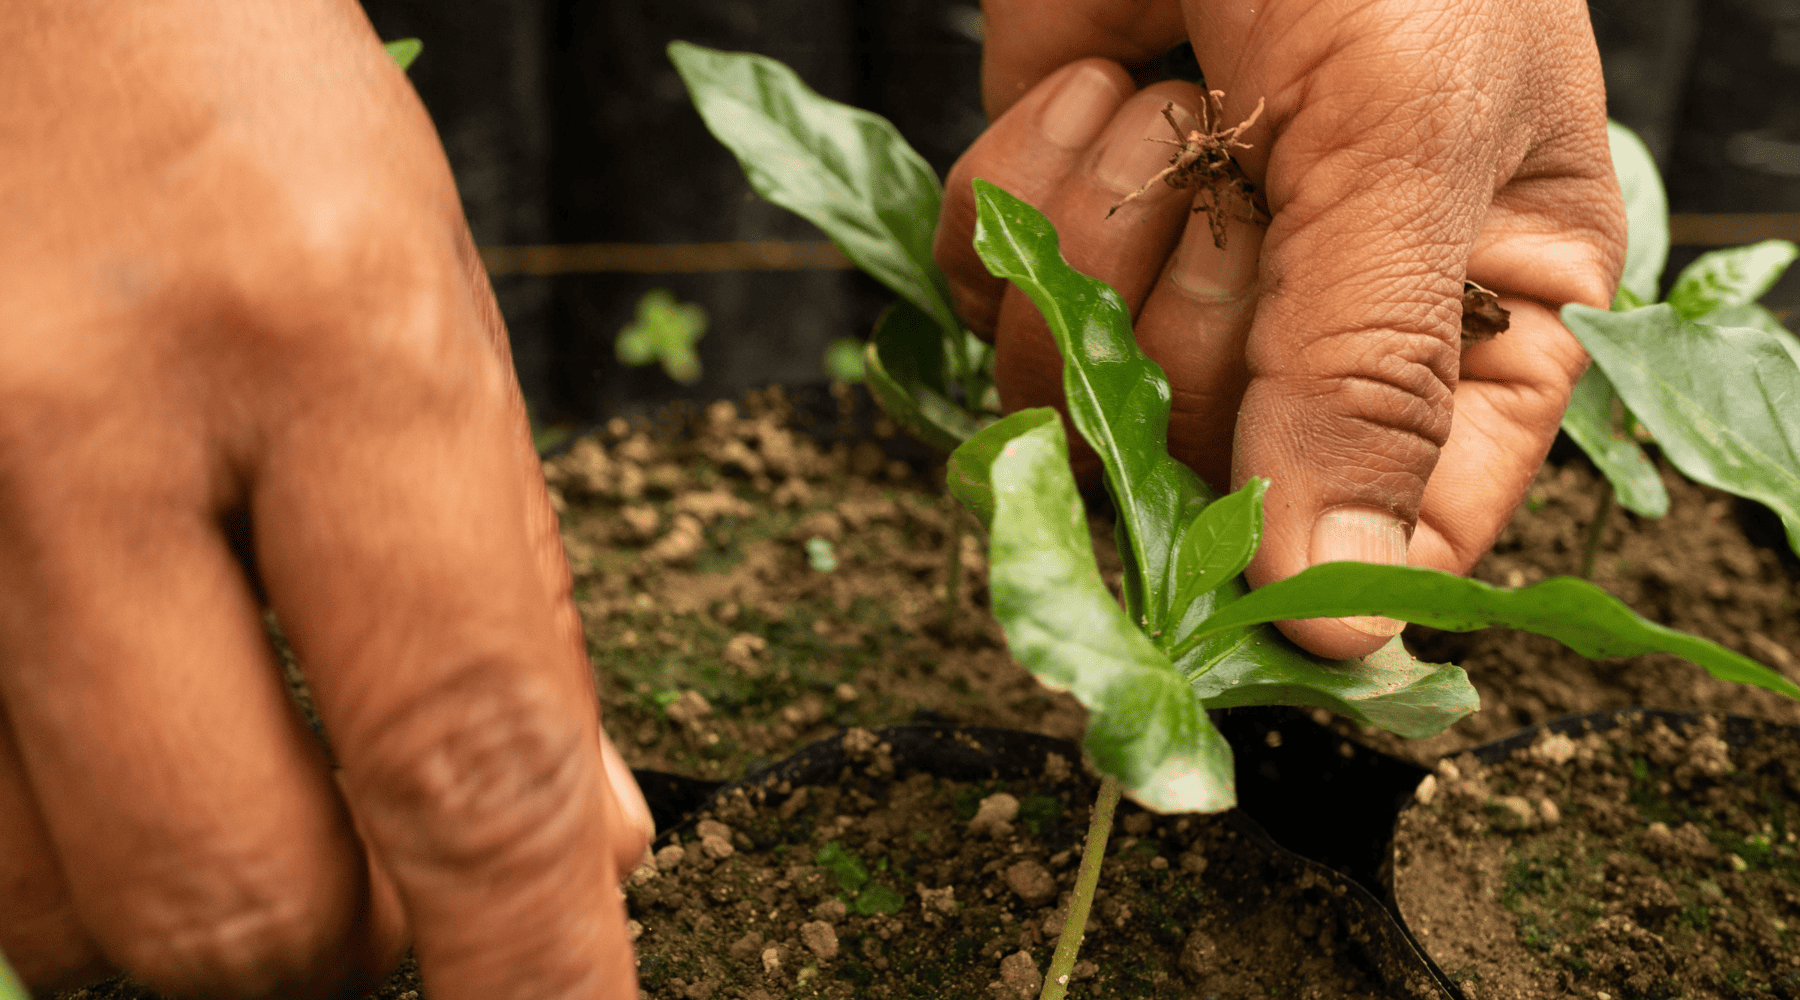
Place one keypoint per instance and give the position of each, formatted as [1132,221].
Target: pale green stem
[1602,511]
[1056,980]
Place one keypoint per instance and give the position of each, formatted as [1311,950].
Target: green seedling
[1709,374]
[844,360]
[404,51]
[850,173]
[866,898]
[821,555]
[1190,636]
[666,331]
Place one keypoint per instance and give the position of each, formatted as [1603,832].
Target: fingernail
[624,788]
[1128,160]
[1361,534]
[1205,271]
[1080,108]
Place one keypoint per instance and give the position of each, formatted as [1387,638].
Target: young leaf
[1118,398]
[404,51]
[1589,420]
[1387,688]
[1646,213]
[665,330]
[1216,545]
[1725,279]
[845,170]
[1721,401]
[1145,727]
[904,369]
[969,471]
[1571,611]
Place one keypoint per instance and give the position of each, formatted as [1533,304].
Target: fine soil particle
[1639,862]
[921,887]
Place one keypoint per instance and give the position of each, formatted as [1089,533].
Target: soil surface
[747,591]
[921,887]
[1639,862]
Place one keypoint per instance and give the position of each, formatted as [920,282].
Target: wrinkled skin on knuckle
[484,767]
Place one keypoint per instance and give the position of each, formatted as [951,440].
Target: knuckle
[265,938]
[486,766]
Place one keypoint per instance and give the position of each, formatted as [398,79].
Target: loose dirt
[1640,862]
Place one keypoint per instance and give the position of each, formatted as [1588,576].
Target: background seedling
[1190,637]
[665,331]
[1753,393]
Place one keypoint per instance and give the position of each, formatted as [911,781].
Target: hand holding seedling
[250,359]
[1403,146]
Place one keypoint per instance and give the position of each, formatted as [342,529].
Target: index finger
[406,551]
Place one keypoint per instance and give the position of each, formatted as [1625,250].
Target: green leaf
[878,898]
[1571,611]
[1145,726]
[968,473]
[1726,279]
[821,555]
[845,170]
[842,862]
[1589,421]
[1721,401]
[665,331]
[1387,688]
[844,359]
[904,366]
[404,51]
[1216,545]
[1646,212]
[10,987]
[1118,398]
[1120,401]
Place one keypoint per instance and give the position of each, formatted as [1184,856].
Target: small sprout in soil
[1202,162]
[844,359]
[665,331]
[821,555]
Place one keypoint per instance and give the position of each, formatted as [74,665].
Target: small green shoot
[866,898]
[844,359]
[821,555]
[665,331]
[404,51]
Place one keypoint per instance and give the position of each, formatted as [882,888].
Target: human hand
[1404,146]
[250,355]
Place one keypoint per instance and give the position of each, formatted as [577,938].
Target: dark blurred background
[565,124]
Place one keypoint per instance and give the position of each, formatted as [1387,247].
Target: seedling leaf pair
[1189,636]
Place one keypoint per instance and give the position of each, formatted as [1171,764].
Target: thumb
[1379,168]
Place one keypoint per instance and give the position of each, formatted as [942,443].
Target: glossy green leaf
[1646,212]
[1387,688]
[904,369]
[1722,402]
[1757,318]
[1216,545]
[1145,726]
[10,987]
[844,169]
[1571,611]
[1726,279]
[1118,398]
[1589,421]
[404,51]
[969,471]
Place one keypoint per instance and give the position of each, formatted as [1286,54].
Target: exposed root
[1202,162]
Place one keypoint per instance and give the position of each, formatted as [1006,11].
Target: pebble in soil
[1641,863]
[921,887]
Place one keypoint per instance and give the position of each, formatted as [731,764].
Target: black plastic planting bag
[974,753]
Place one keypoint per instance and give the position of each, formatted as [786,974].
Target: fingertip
[630,799]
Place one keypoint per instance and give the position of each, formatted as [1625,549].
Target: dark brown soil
[1640,862]
[966,889]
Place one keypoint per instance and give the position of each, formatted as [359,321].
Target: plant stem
[1596,528]
[1056,980]
[953,580]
